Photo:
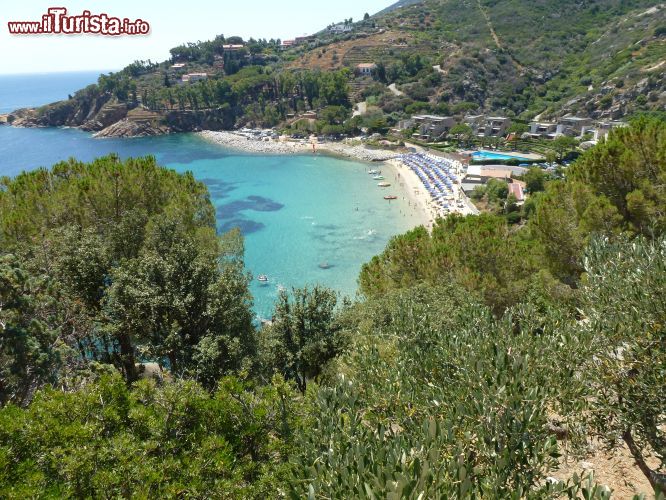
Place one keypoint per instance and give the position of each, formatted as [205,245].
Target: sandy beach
[411,190]
[417,197]
[419,202]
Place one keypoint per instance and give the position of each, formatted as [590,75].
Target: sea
[306,219]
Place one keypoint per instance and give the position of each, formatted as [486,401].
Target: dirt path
[490,25]
[495,37]
[395,91]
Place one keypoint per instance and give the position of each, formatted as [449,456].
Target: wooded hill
[519,58]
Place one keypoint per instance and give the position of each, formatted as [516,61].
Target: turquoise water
[489,155]
[28,90]
[295,212]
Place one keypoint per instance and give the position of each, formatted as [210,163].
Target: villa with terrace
[542,130]
[432,127]
[488,126]
[194,77]
[572,126]
[340,28]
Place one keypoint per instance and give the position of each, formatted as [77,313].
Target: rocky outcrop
[92,113]
[107,117]
[131,128]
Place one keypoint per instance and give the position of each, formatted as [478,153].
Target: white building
[545,130]
[602,128]
[340,28]
[432,127]
[365,69]
[194,77]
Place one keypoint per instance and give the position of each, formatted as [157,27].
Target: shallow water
[296,212]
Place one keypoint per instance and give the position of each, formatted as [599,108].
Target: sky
[172,23]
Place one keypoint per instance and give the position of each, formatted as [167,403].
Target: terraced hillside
[519,58]
[595,57]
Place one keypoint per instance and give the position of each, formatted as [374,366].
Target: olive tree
[625,300]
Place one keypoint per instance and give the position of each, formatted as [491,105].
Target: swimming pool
[489,155]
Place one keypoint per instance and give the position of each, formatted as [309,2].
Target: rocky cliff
[107,117]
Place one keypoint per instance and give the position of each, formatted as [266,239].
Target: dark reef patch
[256,203]
[246,226]
[218,188]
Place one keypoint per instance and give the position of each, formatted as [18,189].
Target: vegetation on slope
[478,355]
[519,58]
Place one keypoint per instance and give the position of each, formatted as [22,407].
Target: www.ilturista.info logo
[56,21]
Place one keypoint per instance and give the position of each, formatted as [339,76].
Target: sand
[385,160]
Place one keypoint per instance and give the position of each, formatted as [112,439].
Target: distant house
[288,43]
[310,115]
[178,66]
[601,129]
[365,69]
[304,39]
[488,126]
[480,174]
[194,77]
[516,190]
[431,127]
[573,126]
[232,47]
[544,130]
[340,28]
[405,124]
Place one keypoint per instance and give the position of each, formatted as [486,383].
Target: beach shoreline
[413,192]
[410,188]
[248,143]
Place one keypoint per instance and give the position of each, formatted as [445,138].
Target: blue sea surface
[296,212]
[30,90]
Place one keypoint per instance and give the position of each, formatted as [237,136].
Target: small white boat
[383,184]
[263,278]
[374,172]
[378,177]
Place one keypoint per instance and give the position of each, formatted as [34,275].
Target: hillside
[520,58]
[482,359]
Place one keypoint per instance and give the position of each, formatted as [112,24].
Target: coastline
[414,192]
[418,201]
[411,190]
[250,144]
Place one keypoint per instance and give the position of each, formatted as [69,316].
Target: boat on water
[263,278]
[374,172]
[383,184]
[391,197]
[324,265]
[378,177]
